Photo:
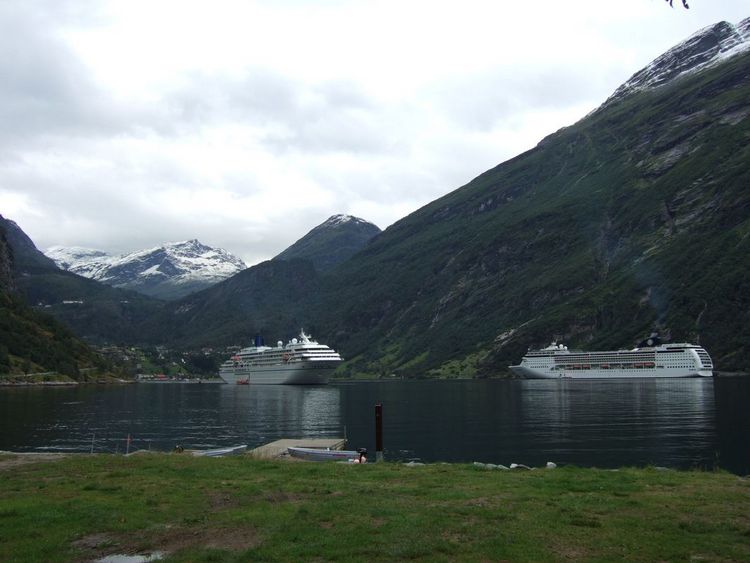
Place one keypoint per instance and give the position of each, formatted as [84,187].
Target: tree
[4,359]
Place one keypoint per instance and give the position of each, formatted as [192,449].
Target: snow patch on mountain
[335,220]
[707,47]
[67,257]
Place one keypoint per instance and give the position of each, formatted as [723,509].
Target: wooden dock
[276,449]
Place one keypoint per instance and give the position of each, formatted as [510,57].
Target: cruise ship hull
[529,373]
[294,374]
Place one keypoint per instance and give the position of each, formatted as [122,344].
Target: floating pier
[278,448]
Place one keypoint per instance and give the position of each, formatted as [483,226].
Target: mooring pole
[379,432]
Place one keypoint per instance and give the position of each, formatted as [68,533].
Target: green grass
[238,509]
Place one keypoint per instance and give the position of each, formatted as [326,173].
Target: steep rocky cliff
[7,283]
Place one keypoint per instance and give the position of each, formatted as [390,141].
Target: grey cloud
[332,116]
[45,91]
[41,86]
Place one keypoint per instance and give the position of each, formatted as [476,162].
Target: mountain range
[104,314]
[634,219]
[177,269]
[169,271]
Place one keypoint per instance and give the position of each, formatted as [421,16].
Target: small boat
[326,454]
[220,452]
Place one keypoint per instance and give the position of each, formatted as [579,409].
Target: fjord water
[674,423]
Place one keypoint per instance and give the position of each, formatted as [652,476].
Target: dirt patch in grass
[282,496]
[219,501]
[96,546]
[13,460]
[229,539]
[482,502]
[571,552]
[166,541]
[378,522]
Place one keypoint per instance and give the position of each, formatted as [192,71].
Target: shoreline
[332,381]
[262,452]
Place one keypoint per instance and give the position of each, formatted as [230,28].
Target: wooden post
[379,432]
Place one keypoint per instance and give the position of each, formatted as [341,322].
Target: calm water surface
[675,423]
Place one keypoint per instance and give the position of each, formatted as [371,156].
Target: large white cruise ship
[300,362]
[649,360]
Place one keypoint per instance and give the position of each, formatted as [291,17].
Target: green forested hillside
[635,218]
[31,341]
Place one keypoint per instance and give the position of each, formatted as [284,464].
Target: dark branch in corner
[684,3]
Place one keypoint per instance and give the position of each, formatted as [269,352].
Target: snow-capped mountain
[169,271]
[704,48]
[76,258]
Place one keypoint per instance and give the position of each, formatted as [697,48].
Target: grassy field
[82,507]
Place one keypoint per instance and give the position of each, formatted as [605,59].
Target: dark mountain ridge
[706,47]
[27,259]
[332,242]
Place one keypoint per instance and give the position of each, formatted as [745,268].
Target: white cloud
[127,123]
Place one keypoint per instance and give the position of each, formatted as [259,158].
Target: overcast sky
[245,124]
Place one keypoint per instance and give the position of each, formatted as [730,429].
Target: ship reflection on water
[271,412]
[613,423]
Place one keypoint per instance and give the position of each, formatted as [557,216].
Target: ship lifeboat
[649,365]
[604,366]
[638,366]
[585,366]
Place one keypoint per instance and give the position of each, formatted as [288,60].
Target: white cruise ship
[649,360]
[301,362]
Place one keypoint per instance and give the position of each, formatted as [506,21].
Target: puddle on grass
[155,556]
